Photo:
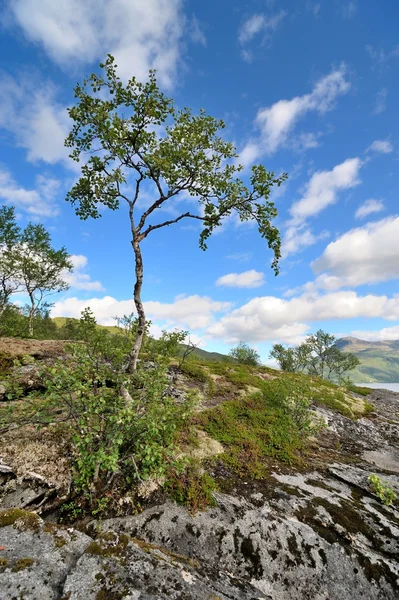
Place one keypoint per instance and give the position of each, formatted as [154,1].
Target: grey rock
[135,570]
[293,542]
[3,392]
[36,559]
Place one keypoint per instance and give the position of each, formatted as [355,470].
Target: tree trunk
[134,354]
[30,322]
[31,315]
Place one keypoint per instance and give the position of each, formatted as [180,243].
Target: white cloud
[276,122]
[298,238]
[313,7]
[141,35]
[323,188]
[348,9]
[79,280]
[364,255]
[382,146]
[368,208]
[259,23]
[38,202]
[321,191]
[247,279]
[29,111]
[194,312]
[196,32]
[275,319]
[381,102]
[380,57]
[385,334]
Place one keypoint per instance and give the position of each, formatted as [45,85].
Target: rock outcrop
[315,533]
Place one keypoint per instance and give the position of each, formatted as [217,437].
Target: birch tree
[130,135]
[42,269]
[10,234]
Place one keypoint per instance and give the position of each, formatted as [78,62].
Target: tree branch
[165,223]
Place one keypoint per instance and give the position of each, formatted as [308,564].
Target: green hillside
[379,360]
[60,322]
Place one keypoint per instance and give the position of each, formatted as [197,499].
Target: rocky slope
[314,531]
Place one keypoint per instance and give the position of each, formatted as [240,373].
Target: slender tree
[131,136]
[10,234]
[41,268]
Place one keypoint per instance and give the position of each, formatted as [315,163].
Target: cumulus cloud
[194,312]
[141,35]
[247,279]
[37,202]
[78,279]
[30,112]
[368,208]
[382,146]
[270,318]
[321,191]
[363,255]
[276,122]
[323,188]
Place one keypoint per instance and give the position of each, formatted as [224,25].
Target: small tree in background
[133,136]
[317,355]
[10,234]
[245,355]
[285,357]
[41,267]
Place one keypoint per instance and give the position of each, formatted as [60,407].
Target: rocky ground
[317,533]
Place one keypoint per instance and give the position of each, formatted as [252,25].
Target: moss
[104,546]
[27,519]
[22,564]
[6,363]
[55,529]
[3,562]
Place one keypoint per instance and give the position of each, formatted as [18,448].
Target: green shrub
[118,423]
[191,486]
[273,423]
[382,490]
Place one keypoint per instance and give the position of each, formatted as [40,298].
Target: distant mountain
[379,361]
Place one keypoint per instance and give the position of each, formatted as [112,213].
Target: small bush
[382,490]
[191,486]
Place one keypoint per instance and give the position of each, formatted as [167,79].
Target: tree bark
[30,321]
[134,354]
[31,315]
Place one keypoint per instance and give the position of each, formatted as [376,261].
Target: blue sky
[306,87]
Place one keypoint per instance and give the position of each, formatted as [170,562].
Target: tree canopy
[131,138]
